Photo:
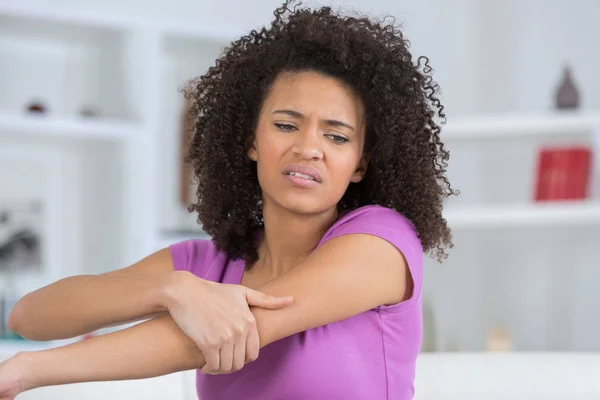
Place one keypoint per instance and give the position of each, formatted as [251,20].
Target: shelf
[80,128]
[532,215]
[68,67]
[521,126]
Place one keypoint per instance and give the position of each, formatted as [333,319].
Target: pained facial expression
[309,142]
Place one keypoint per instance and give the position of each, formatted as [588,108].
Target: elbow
[15,320]
[17,323]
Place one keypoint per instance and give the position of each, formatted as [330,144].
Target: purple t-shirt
[371,355]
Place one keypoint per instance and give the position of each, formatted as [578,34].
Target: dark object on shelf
[21,241]
[36,108]
[89,112]
[20,237]
[567,95]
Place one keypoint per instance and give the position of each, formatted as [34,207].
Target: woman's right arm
[81,304]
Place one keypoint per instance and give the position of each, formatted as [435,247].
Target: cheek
[267,153]
[270,148]
[270,153]
[343,167]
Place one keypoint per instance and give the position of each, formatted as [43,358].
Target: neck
[289,238]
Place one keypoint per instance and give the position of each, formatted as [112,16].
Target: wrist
[172,288]
[23,369]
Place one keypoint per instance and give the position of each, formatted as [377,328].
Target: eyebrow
[296,114]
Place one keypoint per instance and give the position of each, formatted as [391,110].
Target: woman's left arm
[149,349]
[343,277]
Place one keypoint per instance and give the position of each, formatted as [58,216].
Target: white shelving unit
[519,265]
[76,128]
[522,135]
[126,159]
[521,126]
[550,215]
[130,72]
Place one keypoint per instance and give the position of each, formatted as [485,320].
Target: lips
[303,169]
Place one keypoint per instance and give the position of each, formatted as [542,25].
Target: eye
[285,127]
[337,139]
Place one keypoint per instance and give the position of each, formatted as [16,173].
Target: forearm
[81,304]
[149,349]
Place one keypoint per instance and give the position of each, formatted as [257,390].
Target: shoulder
[380,221]
[393,227]
[196,256]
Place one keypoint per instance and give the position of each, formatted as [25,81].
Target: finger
[252,345]
[207,371]
[259,299]
[226,359]
[239,356]
[211,360]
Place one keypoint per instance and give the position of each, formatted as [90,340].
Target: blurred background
[91,174]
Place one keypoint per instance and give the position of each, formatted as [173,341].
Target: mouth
[303,171]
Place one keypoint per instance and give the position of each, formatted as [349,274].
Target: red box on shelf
[563,173]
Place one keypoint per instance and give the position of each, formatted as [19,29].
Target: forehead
[314,93]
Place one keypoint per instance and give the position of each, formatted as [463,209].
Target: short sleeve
[192,255]
[396,229]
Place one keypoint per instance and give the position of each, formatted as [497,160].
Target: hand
[11,377]
[218,319]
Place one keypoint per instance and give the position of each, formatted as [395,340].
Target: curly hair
[407,159]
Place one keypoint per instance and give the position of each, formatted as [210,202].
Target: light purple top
[368,356]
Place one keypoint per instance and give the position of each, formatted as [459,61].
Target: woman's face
[309,142]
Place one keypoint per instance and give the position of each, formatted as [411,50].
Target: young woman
[321,180]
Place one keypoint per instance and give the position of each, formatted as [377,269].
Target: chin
[300,204]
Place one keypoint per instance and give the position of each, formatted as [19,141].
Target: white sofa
[513,375]
[440,376]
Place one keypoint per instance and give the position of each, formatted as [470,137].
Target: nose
[308,144]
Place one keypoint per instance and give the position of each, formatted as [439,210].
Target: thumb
[259,299]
